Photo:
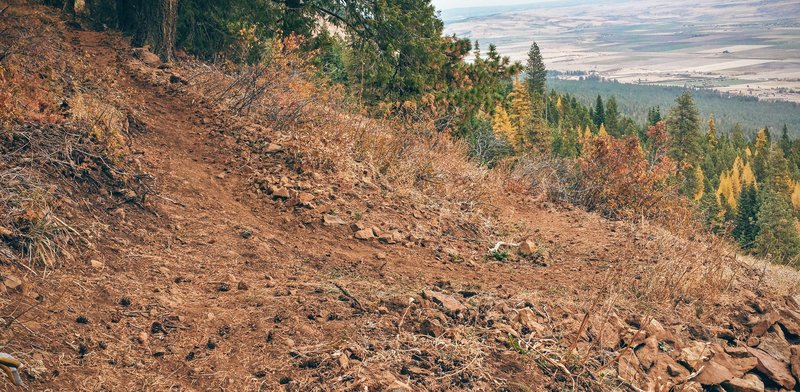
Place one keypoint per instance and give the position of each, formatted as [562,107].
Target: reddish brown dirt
[186,300]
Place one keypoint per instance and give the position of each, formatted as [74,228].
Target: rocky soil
[233,267]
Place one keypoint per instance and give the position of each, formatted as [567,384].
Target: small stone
[305,198]
[12,283]
[332,220]
[96,264]
[527,318]
[344,361]
[5,232]
[749,383]
[447,302]
[528,247]
[380,256]
[242,286]
[364,234]
[431,328]
[273,148]
[713,373]
[142,338]
[357,226]
[280,193]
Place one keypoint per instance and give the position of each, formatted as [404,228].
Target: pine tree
[599,112]
[711,133]
[538,133]
[653,115]
[536,73]
[683,125]
[713,215]
[786,143]
[746,225]
[761,154]
[778,234]
[612,117]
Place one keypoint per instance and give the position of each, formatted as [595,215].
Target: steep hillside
[158,234]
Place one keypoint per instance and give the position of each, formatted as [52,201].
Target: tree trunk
[151,22]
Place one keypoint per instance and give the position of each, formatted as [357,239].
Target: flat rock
[332,220]
[790,320]
[713,373]
[777,371]
[794,361]
[527,318]
[761,326]
[750,383]
[776,346]
[449,303]
[364,234]
[280,192]
[12,283]
[273,148]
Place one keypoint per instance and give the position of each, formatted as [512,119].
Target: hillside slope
[219,268]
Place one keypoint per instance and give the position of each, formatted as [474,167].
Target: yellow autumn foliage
[602,132]
[699,178]
[501,125]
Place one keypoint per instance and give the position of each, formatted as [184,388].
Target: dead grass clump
[29,224]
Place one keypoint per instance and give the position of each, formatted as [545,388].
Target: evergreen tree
[536,76]
[778,234]
[611,120]
[711,133]
[761,154]
[746,225]
[786,143]
[777,228]
[599,112]
[653,115]
[535,72]
[712,212]
[683,124]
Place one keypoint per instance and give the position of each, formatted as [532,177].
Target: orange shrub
[620,179]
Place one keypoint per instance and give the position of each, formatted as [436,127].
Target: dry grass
[329,133]
[60,129]
[26,211]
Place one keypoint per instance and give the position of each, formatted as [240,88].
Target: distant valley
[739,47]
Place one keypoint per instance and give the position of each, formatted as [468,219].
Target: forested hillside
[324,195]
[636,100]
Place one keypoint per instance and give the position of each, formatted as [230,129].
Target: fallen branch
[499,244]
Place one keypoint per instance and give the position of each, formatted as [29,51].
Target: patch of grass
[499,255]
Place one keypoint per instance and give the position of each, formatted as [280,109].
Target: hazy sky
[445,4]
